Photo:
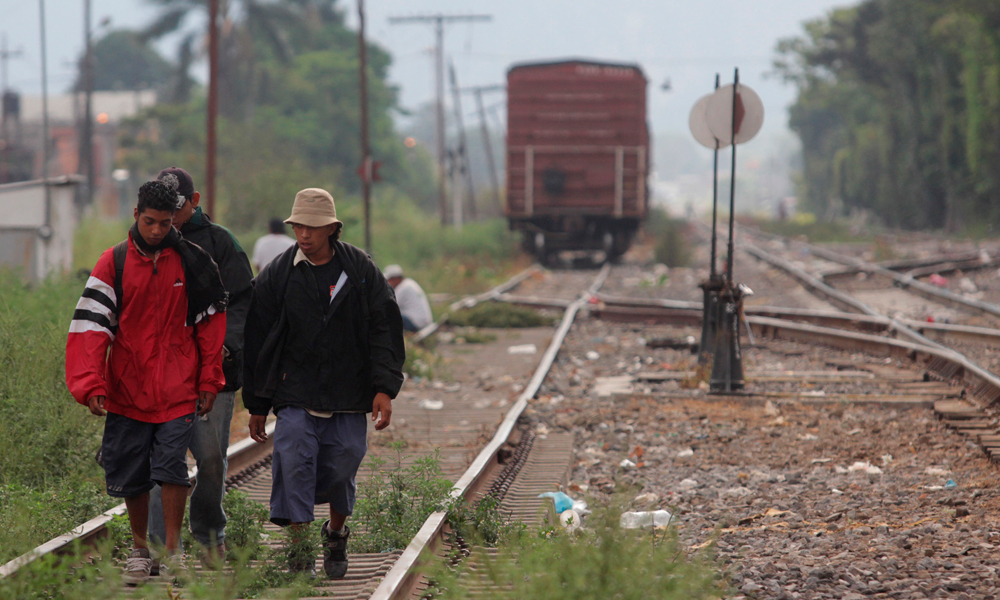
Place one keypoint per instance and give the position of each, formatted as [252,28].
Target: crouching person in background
[323,347]
[158,301]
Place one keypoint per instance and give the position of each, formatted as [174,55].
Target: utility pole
[464,170]
[213,101]
[45,128]
[439,20]
[485,133]
[5,55]
[86,150]
[366,159]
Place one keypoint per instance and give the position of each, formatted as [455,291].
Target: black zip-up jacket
[237,277]
[361,337]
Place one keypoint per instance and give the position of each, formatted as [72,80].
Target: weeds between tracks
[602,561]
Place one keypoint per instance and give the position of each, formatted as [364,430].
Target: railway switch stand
[727,364]
[709,317]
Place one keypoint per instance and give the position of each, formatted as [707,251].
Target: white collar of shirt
[301,256]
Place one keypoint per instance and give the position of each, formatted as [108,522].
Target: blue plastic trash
[950,485]
[561,500]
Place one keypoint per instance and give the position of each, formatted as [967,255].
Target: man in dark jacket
[211,432]
[324,347]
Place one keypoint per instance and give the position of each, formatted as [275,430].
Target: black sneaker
[335,552]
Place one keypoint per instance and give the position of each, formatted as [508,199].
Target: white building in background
[36,236]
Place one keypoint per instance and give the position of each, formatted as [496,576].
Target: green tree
[122,61]
[897,110]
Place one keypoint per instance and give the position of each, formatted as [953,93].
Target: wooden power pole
[213,102]
[366,159]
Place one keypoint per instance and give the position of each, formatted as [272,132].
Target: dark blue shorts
[138,454]
[315,462]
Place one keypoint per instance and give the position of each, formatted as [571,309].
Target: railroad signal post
[731,115]
[715,283]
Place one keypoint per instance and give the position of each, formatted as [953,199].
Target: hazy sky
[687,42]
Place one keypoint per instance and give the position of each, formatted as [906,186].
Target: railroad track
[544,462]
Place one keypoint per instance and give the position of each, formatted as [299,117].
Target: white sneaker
[137,567]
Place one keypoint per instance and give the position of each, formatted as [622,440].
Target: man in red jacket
[160,305]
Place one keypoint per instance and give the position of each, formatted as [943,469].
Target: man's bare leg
[138,518]
[174,501]
[337,520]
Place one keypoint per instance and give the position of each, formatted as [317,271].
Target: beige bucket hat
[313,207]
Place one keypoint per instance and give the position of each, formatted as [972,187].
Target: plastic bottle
[636,520]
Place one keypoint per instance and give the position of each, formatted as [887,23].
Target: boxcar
[577,155]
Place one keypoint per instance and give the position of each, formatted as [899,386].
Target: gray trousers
[208,445]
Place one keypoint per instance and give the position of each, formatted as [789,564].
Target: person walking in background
[158,301]
[413,304]
[324,346]
[211,432]
[269,246]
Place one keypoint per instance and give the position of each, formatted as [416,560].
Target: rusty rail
[399,581]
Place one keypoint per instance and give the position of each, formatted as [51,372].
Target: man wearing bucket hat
[323,347]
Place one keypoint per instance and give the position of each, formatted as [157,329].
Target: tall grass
[49,482]
[602,561]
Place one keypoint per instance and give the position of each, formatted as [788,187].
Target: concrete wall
[35,240]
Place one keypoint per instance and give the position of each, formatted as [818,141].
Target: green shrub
[244,526]
[498,314]
[483,523]
[395,500]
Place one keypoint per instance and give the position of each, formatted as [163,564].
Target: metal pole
[439,21]
[439,123]
[45,117]
[715,195]
[366,170]
[213,103]
[732,182]
[87,131]
[464,169]
[488,146]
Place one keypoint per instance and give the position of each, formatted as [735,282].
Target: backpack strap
[352,273]
[119,252]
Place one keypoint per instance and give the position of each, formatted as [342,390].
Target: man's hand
[257,424]
[97,406]
[381,410]
[206,400]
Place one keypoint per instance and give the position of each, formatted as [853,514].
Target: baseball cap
[185,185]
[393,271]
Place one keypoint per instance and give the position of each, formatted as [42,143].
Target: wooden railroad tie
[971,421]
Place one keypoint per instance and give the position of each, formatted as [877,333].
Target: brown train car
[577,155]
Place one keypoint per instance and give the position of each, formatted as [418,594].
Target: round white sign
[698,123]
[749,114]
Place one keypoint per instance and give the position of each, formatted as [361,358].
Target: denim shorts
[138,454]
[315,462]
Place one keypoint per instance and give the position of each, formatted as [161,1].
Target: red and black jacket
[158,363]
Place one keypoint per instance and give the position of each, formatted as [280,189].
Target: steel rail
[823,290]
[941,332]
[470,301]
[398,581]
[943,362]
[904,281]
[240,455]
